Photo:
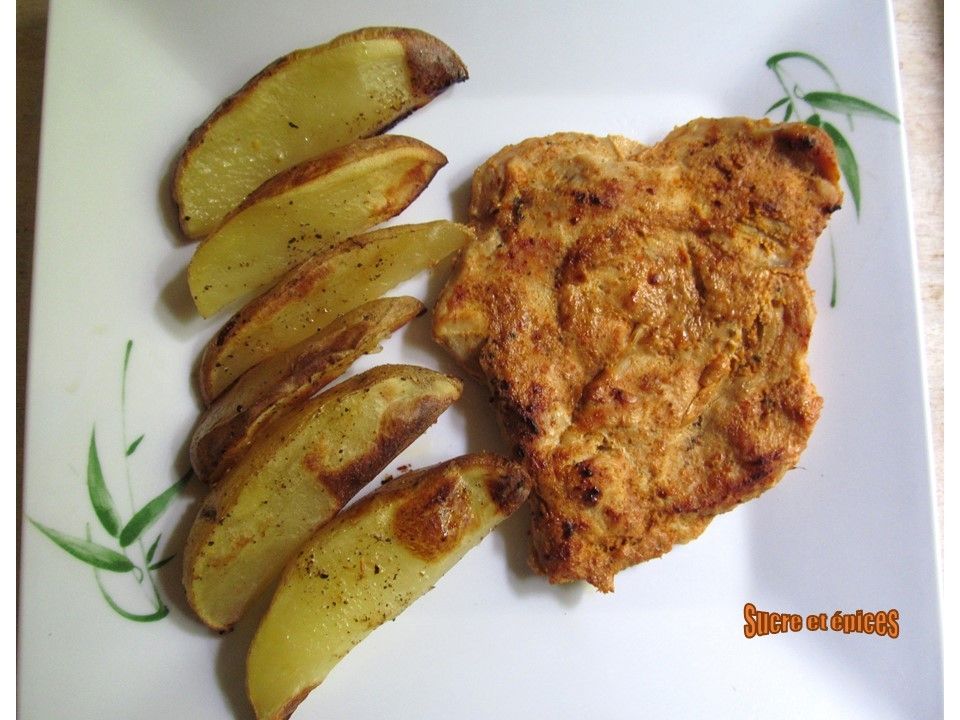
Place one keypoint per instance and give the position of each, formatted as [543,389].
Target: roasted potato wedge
[319,290]
[299,471]
[305,210]
[303,105]
[228,426]
[369,564]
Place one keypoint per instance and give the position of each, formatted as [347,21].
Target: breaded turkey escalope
[642,316]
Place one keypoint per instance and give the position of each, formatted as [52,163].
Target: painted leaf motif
[148,514]
[126,355]
[775,60]
[814,120]
[160,563]
[102,558]
[86,550]
[847,104]
[848,163]
[778,103]
[153,549]
[100,496]
[134,445]
[161,612]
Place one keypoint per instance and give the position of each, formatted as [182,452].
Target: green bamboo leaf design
[126,355]
[123,377]
[134,445]
[100,557]
[775,60]
[848,163]
[160,563]
[153,549]
[790,110]
[148,514]
[89,552]
[814,120]
[100,496]
[782,101]
[161,612]
[847,104]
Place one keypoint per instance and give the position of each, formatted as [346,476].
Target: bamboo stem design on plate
[131,556]
[815,103]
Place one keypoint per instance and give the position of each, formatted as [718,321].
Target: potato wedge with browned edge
[228,426]
[319,290]
[305,210]
[303,105]
[369,564]
[299,471]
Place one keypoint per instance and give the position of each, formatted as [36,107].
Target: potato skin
[318,290]
[369,564]
[299,213]
[432,64]
[431,68]
[229,425]
[318,167]
[300,470]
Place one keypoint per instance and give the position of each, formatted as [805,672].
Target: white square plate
[851,529]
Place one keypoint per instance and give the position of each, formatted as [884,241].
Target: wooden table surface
[919,27]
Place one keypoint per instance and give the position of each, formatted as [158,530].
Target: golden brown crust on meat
[642,318]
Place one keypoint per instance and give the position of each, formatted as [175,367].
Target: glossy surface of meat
[642,317]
